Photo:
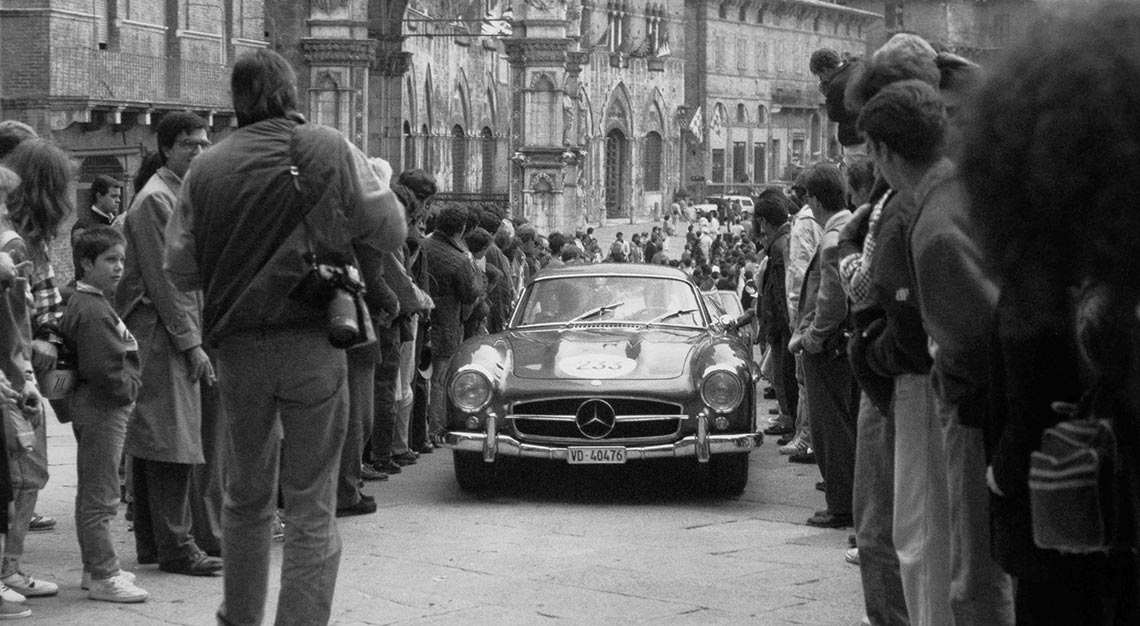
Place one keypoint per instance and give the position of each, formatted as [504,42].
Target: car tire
[473,474]
[727,474]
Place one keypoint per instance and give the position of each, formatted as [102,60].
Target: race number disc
[596,366]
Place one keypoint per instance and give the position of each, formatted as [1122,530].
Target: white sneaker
[13,611]
[8,594]
[117,588]
[28,586]
[85,582]
[797,444]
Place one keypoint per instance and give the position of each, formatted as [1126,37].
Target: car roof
[612,269]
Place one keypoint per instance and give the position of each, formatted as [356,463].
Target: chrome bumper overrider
[493,444]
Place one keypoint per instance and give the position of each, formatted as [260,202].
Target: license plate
[595,456]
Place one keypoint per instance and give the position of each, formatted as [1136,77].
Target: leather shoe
[779,430]
[427,448]
[407,458]
[369,473]
[803,457]
[825,519]
[786,439]
[197,564]
[390,467]
[362,507]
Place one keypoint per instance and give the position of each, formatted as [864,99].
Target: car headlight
[722,391]
[470,390]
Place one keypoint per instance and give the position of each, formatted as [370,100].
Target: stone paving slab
[634,546]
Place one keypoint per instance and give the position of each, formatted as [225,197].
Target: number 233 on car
[605,364]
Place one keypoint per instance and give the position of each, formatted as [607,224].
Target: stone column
[386,110]
[537,54]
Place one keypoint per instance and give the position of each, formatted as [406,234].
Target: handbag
[1076,486]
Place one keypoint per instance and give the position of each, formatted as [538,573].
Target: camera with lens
[335,287]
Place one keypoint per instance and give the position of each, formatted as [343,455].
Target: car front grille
[637,421]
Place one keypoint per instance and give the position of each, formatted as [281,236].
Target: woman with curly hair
[1052,165]
[36,209]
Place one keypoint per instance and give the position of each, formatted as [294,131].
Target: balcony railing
[136,78]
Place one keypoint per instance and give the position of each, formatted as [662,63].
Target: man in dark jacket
[453,285]
[244,223]
[820,339]
[833,74]
[921,530]
[770,224]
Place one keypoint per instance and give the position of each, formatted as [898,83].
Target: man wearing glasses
[165,436]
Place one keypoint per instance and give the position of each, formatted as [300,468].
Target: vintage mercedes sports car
[604,364]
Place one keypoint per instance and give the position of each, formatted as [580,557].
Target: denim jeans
[803,405]
[981,594]
[285,406]
[100,433]
[404,396]
[922,503]
[437,404]
[28,471]
[387,378]
[873,505]
[206,489]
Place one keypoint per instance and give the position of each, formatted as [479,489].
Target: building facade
[755,111]
[567,112]
[597,86]
[95,76]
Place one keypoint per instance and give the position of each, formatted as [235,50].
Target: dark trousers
[384,420]
[162,510]
[361,367]
[207,479]
[418,429]
[833,399]
[784,377]
[419,425]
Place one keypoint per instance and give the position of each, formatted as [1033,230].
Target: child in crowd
[109,380]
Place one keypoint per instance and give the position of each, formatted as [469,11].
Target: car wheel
[473,474]
[727,474]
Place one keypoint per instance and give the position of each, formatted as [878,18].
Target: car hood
[603,353]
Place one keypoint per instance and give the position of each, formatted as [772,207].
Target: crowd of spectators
[948,316]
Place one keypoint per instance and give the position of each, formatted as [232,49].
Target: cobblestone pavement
[639,544]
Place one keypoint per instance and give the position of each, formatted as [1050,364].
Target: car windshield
[593,299]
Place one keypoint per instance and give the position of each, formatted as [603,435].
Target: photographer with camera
[262,215]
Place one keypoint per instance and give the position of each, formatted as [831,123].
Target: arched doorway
[487,147]
[617,174]
[409,147]
[458,159]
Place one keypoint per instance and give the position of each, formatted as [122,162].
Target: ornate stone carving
[328,6]
[392,63]
[338,51]
[537,51]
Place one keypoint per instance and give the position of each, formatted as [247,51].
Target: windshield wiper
[596,311]
[665,316]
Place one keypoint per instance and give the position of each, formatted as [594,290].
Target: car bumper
[492,445]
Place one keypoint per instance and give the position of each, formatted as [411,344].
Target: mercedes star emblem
[595,419]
